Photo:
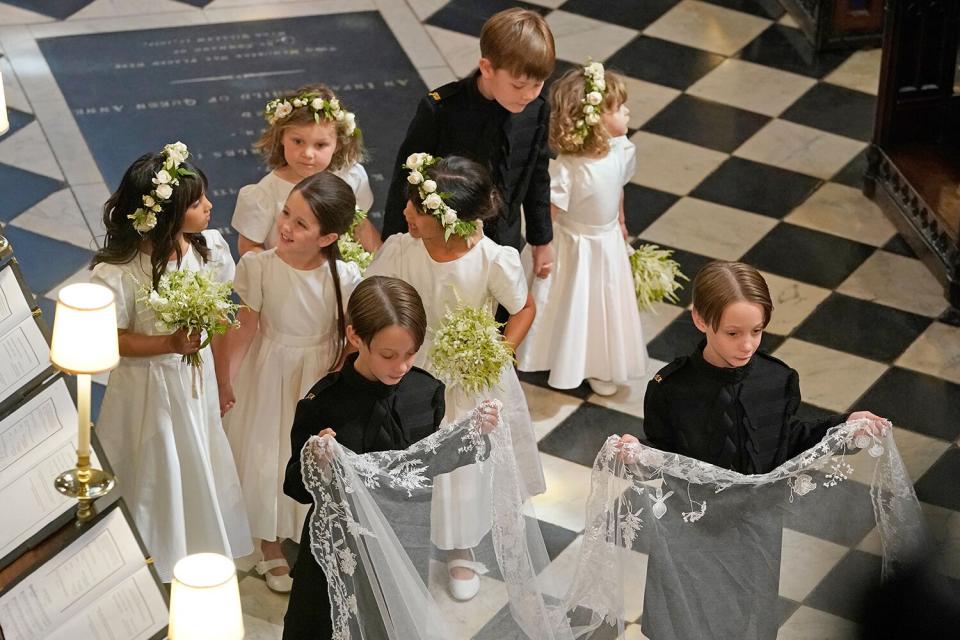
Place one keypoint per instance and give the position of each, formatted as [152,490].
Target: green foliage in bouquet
[350,249]
[194,301]
[656,276]
[468,350]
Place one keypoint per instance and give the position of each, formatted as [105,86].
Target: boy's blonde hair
[566,108]
[349,149]
[519,41]
[720,283]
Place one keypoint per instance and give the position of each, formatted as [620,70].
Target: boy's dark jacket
[742,418]
[456,119]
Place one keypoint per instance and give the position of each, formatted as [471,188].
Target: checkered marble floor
[749,148]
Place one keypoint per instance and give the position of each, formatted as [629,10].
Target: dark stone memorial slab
[134,91]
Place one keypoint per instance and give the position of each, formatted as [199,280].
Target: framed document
[24,339]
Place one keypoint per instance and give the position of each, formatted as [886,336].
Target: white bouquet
[468,350]
[656,276]
[194,301]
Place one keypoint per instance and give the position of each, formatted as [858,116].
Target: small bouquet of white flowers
[350,249]
[468,350]
[656,276]
[194,301]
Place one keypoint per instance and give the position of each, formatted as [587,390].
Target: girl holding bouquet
[291,334]
[307,133]
[452,265]
[588,325]
[160,418]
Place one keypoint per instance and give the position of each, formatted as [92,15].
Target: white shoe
[463,590]
[602,387]
[280,584]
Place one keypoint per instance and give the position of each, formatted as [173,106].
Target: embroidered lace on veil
[712,538]
[371,534]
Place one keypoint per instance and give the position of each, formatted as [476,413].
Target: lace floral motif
[633,481]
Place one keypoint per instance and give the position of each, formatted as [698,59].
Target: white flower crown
[433,201]
[594,92]
[145,217]
[280,108]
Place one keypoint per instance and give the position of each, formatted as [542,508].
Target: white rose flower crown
[330,110]
[594,92]
[174,155]
[433,201]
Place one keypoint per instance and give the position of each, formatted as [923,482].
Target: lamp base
[86,484]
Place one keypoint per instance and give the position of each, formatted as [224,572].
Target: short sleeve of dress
[249,280]
[255,213]
[386,262]
[220,262]
[349,279]
[356,176]
[629,153]
[560,183]
[508,283]
[124,288]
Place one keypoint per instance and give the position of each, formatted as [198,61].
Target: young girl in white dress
[161,431]
[471,268]
[307,132]
[291,334]
[588,324]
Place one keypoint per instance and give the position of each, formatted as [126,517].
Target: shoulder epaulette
[322,384]
[441,93]
[677,364]
[767,356]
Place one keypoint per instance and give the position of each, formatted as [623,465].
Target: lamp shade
[205,599]
[85,329]
[4,119]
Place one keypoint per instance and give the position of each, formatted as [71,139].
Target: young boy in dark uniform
[496,117]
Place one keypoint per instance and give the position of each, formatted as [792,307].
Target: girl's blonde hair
[720,283]
[349,149]
[566,108]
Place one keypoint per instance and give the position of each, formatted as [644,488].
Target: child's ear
[353,338]
[486,68]
[327,239]
[698,321]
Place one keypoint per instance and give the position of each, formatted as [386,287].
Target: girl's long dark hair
[333,203]
[466,186]
[123,242]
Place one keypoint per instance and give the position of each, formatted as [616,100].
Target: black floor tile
[60,9]
[807,255]
[689,263]
[939,485]
[861,327]
[762,8]
[626,13]
[915,401]
[45,262]
[786,608]
[705,123]
[852,174]
[581,436]
[898,245]
[838,110]
[21,190]
[643,205]
[788,49]
[757,187]
[843,590]
[681,337]
[812,514]
[662,62]
[555,538]
[18,120]
[468,16]
[539,379]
